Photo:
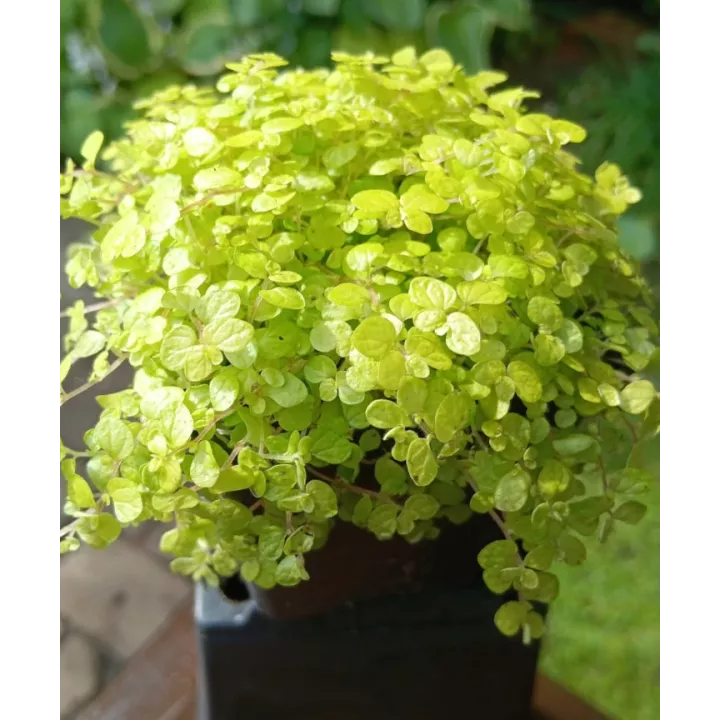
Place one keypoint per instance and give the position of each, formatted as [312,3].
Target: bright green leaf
[637,397]
[527,383]
[284,297]
[375,202]
[114,437]
[204,470]
[421,463]
[375,337]
[126,499]
[512,491]
[385,414]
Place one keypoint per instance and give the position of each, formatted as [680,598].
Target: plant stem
[470,482]
[603,472]
[207,197]
[90,383]
[631,427]
[106,176]
[323,269]
[592,309]
[205,431]
[256,304]
[479,440]
[77,453]
[344,485]
[94,307]
[499,522]
[568,234]
[503,528]
[479,244]
[233,455]
[575,231]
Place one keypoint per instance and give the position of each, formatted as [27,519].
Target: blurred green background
[596,61]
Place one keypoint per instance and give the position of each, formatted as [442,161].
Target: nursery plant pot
[382,630]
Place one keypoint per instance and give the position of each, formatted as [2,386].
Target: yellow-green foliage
[389,263]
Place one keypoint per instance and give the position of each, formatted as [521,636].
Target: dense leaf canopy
[389,266]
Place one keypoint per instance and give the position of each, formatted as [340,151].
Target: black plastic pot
[351,645]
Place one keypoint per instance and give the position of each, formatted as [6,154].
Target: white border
[690,241]
[29,142]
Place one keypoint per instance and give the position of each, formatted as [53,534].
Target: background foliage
[114,52]
[604,634]
[619,104]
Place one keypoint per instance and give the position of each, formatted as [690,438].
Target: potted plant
[385,345]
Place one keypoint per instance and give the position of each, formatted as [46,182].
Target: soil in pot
[355,566]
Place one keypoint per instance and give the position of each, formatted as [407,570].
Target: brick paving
[111,601]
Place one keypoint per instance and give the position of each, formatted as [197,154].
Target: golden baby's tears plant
[388,267]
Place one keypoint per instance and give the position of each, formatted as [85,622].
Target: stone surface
[79,672]
[147,537]
[120,594]
[151,542]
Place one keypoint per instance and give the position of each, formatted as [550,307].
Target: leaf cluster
[380,294]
